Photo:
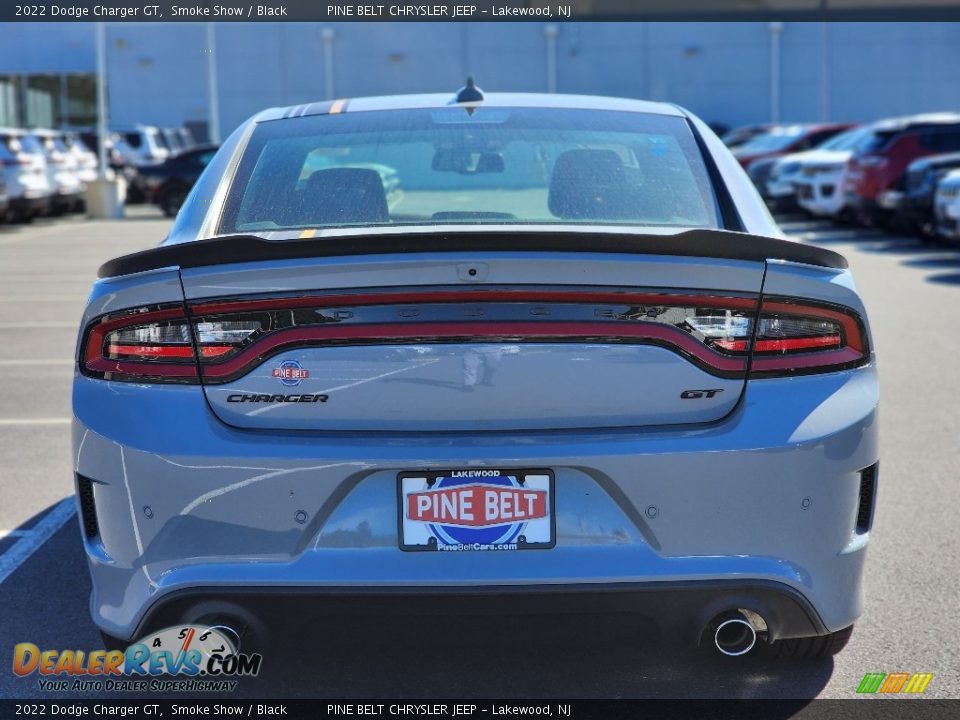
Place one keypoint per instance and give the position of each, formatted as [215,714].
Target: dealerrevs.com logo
[199,659]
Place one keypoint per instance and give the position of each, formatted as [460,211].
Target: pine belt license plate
[476,510]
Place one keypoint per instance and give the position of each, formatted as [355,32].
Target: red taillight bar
[223,362]
[163,352]
[781,344]
[600,332]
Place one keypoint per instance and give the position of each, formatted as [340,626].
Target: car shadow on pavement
[566,656]
[945,279]
[419,656]
[940,260]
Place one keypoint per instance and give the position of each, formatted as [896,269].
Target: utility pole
[213,96]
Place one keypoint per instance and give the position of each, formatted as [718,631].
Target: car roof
[933,160]
[194,150]
[442,100]
[909,121]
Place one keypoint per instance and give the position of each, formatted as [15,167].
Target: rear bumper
[869,209]
[678,609]
[916,210]
[23,205]
[66,199]
[821,198]
[769,495]
[947,228]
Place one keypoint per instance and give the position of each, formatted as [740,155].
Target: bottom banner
[579,709]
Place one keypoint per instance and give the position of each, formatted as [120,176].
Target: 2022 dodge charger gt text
[519,347]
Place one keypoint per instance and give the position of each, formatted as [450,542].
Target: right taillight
[795,337]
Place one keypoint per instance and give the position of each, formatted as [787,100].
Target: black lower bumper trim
[682,608]
[32,205]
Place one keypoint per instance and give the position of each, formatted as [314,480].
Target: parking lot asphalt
[913,569]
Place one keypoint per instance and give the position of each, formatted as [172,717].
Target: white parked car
[4,200]
[62,169]
[820,180]
[142,144]
[24,169]
[85,157]
[946,207]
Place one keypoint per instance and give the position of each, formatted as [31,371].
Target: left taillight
[157,345]
[144,344]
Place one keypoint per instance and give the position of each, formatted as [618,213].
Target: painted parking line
[34,539]
[14,422]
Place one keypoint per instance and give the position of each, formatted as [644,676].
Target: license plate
[476,510]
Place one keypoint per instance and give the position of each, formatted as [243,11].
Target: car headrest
[590,184]
[348,196]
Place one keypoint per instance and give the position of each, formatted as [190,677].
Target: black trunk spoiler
[723,244]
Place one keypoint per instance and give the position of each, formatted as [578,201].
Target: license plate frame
[504,487]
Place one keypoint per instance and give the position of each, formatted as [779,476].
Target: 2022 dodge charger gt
[515,347]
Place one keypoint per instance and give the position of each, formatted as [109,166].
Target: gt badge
[697,394]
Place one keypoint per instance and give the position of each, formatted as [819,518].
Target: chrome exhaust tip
[733,634]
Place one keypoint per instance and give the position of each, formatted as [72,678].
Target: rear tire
[111,642]
[810,648]
[171,199]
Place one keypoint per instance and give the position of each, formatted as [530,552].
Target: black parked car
[914,201]
[168,183]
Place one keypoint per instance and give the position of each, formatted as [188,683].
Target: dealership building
[727,72]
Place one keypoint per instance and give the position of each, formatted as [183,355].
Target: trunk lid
[494,341]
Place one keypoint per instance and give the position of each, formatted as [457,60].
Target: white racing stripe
[33,539]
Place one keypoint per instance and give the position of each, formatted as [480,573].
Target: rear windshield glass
[847,140]
[159,139]
[875,140]
[491,166]
[776,139]
[30,144]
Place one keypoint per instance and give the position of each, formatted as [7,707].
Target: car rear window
[159,139]
[30,144]
[875,140]
[774,140]
[847,140]
[482,166]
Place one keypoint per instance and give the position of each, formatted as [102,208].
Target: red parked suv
[879,165]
